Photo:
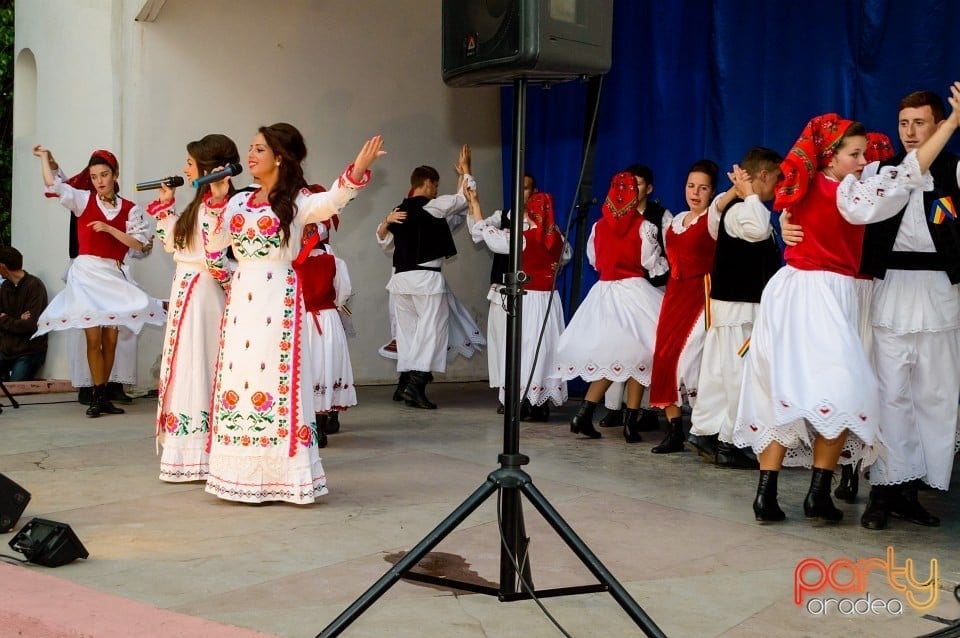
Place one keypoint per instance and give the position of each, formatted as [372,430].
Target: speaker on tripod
[498,41]
[514,42]
[13,500]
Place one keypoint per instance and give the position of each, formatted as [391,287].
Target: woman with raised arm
[98,298]
[263,443]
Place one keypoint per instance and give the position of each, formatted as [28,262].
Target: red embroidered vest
[538,260]
[691,252]
[102,244]
[830,242]
[316,282]
[618,256]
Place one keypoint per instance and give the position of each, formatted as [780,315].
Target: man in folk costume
[915,258]
[746,258]
[422,240]
[623,248]
[544,250]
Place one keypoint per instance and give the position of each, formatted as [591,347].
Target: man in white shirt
[419,234]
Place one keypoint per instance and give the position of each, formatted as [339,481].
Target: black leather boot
[333,422]
[321,428]
[849,483]
[649,420]
[115,392]
[95,394]
[85,395]
[401,384]
[525,408]
[765,507]
[612,419]
[729,455]
[706,445]
[673,441]
[540,413]
[906,505]
[878,508]
[582,421]
[818,503]
[415,391]
[106,407]
[631,434]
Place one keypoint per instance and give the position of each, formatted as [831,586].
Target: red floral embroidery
[230,399]
[262,401]
[236,223]
[303,434]
[268,225]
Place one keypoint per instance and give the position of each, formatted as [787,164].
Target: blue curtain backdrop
[711,78]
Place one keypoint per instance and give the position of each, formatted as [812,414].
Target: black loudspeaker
[48,543]
[13,500]
[544,41]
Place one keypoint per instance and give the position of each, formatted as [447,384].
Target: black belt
[430,268]
[903,260]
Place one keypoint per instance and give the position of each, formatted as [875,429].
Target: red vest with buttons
[102,244]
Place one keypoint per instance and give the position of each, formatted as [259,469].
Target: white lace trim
[615,371]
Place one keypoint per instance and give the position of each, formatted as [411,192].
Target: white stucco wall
[339,71]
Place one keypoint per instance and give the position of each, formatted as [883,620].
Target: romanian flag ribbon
[943,209]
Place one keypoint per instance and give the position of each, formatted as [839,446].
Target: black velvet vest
[878,241]
[653,213]
[421,237]
[501,263]
[742,268]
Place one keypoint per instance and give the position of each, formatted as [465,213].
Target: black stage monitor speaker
[544,41]
[13,500]
[48,543]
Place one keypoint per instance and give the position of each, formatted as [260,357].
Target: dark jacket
[15,299]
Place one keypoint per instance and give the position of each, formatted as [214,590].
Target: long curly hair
[209,152]
[287,144]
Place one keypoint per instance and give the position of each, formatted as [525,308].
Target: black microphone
[173,181]
[227,171]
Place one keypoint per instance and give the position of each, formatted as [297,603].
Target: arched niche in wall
[25,94]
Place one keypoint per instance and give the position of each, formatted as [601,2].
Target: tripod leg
[578,547]
[516,542]
[404,565]
[13,401]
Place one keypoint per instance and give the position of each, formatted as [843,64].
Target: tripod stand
[509,480]
[13,402]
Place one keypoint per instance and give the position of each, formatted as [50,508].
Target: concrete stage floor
[170,560]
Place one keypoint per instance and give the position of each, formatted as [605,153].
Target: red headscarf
[811,153]
[540,211]
[620,207]
[82,179]
[879,147]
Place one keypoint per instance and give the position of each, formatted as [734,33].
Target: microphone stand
[509,480]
